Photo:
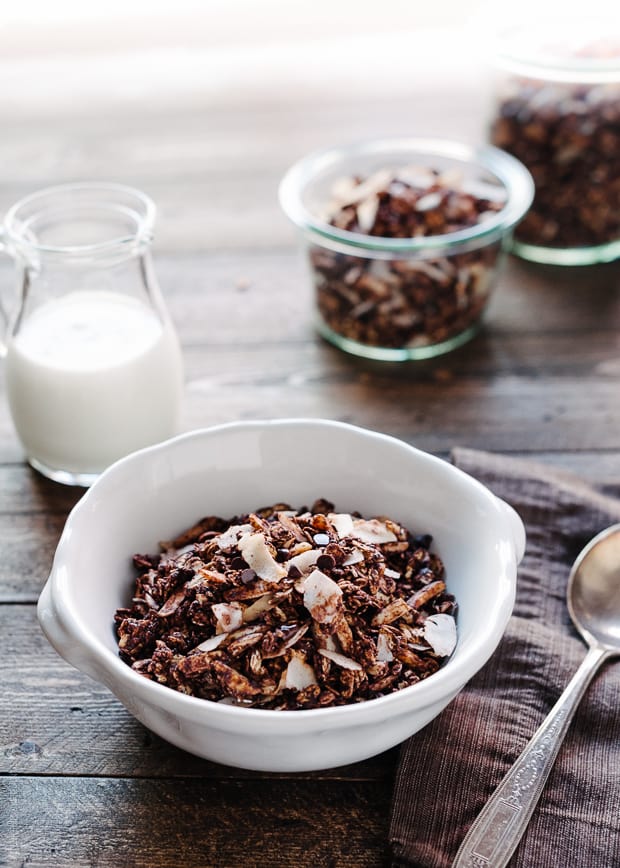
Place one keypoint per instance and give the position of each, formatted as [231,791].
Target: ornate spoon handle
[496,832]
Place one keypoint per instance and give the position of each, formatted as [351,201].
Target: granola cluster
[568,136]
[406,302]
[286,609]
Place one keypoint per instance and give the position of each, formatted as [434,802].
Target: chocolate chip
[248,576]
[294,572]
[238,564]
[282,555]
[321,539]
[325,562]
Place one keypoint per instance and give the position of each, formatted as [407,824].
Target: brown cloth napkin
[449,769]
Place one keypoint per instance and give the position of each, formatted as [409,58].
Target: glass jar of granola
[557,109]
[404,240]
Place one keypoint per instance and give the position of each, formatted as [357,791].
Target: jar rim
[538,57]
[514,177]
[137,205]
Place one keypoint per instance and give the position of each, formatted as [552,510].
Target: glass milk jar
[93,367]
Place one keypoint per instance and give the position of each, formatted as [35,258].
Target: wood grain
[202,823]
[60,722]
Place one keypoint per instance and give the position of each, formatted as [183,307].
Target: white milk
[90,377]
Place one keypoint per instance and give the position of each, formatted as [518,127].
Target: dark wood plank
[254,297]
[491,394]
[212,169]
[60,722]
[142,823]
[542,376]
[27,543]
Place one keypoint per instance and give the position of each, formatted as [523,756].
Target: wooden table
[82,782]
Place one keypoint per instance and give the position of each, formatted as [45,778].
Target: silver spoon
[593,598]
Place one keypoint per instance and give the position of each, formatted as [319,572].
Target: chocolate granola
[405,302]
[289,609]
[568,136]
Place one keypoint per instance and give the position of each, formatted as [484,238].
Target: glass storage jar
[400,298]
[557,109]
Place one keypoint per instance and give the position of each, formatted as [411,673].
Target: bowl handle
[58,627]
[517,530]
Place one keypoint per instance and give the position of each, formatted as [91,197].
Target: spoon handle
[496,832]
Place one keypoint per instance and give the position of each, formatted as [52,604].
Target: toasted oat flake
[289,609]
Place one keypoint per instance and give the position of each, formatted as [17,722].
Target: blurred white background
[57,56]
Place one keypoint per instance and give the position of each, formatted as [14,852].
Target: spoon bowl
[594,590]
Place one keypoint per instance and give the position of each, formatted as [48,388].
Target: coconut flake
[391,574]
[322,597]
[229,616]
[440,633]
[372,531]
[384,651]
[211,643]
[262,604]
[342,522]
[367,211]
[428,202]
[304,561]
[257,556]
[340,659]
[226,540]
[298,674]
[356,557]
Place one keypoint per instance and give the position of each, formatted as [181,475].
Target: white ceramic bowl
[159,491]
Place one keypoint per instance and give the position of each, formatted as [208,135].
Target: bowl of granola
[283,595]
[404,240]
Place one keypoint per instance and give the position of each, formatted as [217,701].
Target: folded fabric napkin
[448,771]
